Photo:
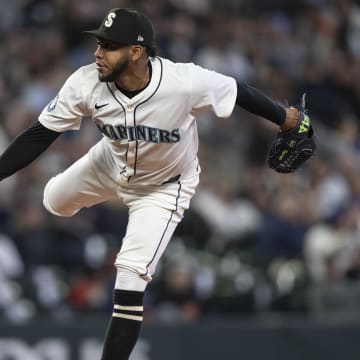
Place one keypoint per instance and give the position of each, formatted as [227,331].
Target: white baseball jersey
[151,137]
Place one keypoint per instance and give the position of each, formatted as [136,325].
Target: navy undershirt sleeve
[258,103]
[25,148]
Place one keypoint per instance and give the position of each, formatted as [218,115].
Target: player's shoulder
[83,81]
[87,74]
[182,68]
[173,64]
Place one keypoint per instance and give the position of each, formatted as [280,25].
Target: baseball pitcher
[145,107]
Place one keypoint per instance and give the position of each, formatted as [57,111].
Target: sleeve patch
[52,104]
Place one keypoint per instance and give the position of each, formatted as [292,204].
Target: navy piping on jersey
[146,100]
[164,232]
[123,107]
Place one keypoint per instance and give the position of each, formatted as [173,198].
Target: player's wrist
[291,120]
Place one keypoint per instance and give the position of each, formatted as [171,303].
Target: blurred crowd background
[253,241]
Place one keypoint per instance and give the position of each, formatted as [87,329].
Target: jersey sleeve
[212,91]
[66,110]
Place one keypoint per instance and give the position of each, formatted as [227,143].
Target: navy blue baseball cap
[125,26]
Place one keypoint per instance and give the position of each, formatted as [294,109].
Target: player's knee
[51,204]
[129,280]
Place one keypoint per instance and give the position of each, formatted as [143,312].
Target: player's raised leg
[77,187]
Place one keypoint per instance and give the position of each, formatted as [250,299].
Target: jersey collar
[148,91]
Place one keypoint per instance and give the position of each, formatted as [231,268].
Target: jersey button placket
[131,156]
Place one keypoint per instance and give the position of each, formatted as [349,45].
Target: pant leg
[77,187]
[153,216]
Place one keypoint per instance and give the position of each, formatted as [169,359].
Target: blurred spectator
[281,235]
[176,298]
[234,219]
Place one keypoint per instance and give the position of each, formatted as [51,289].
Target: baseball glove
[292,148]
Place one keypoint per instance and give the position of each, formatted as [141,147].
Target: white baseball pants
[154,212]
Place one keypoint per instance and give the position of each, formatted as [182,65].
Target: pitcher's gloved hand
[291,148]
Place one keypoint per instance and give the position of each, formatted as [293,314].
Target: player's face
[111,60]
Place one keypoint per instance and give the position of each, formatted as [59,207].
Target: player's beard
[120,67]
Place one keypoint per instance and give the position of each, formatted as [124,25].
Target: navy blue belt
[172,180]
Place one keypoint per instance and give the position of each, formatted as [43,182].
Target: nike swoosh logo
[97,107]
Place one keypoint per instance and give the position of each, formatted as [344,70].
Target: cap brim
[103,35]
[99,34]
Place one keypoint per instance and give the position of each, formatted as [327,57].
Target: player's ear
[136,52]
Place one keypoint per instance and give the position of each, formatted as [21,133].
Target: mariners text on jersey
[139,132]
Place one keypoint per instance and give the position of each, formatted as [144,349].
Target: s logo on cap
[109,20]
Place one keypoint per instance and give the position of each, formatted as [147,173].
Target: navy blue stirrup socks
[124,327]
